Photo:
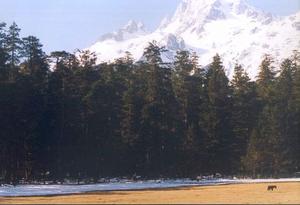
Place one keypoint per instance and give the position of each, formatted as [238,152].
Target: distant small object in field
[272,187]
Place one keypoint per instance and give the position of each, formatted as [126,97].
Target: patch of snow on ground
[44,190]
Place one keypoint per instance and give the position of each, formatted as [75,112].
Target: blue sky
[71,24]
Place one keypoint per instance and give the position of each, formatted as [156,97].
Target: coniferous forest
[64,116]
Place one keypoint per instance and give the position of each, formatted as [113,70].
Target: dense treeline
[63,116]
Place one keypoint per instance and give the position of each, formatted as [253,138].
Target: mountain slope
[232,28]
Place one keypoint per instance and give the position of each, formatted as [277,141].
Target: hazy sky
[70,24]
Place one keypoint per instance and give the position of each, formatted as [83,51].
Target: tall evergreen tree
[266,80]
[243,113]
[295,115]
[159,114]
[218,126]
[14,47]
[35,62]
[57,106]
[3,53]
[133,102]
[286,114]
[188,84]
[266,141]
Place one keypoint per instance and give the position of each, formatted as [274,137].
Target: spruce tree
[133,102]
[265,80]
[14,47]
[57,105]
[243,113]
[35,62]
[159,114]
[218,127]
[295,116]
[284,111]
[266,130]
[3,53]
[188,84]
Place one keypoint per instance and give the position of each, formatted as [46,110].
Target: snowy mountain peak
[213,2]
[194,14]
[215,9]
[132,29]
[236,30]
[198,6]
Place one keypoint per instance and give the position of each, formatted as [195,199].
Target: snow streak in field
[43,190]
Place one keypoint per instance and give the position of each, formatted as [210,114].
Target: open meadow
[287,193]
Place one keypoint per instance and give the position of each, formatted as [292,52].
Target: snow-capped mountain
[131,30]
[232,28]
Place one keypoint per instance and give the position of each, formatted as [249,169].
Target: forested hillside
[63,116]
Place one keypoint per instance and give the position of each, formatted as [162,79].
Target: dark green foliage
[13,45]
[159,115]
[188,83]
[81,121]
[3,52]
[274,143]
[244,113]
[217,123]
[35,59]
[294,142]
[265,81]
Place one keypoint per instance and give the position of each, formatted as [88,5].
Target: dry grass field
[287,193]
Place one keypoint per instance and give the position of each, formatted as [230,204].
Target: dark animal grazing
[271,187]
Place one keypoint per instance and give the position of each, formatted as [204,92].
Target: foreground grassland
[287,193]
